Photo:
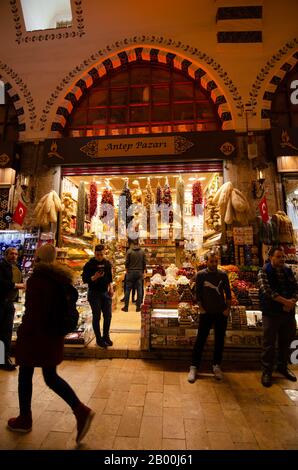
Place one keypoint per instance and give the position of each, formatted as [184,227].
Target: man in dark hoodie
[214,298]
[135,266]
[278,296]
[10,282]
[97,273]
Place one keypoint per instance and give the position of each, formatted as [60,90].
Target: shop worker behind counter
[214,298]
[278,296]
[10,282]
[97,273]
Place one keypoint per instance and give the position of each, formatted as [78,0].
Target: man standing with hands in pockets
[97,273]
[278,296]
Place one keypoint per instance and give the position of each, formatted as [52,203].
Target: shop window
[183,112]
[203,111]
[179,77]
[182,92]
[97,116]
[160,75]
[140,75]
[118,115]
[119,78]
[161,113]
[161,94]
[42,14]
[139,95]
[79,117]
[119,96]
[147,94]
[199,94]
[99,98]
[139,114]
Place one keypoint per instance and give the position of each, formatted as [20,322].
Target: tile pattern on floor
[148,404]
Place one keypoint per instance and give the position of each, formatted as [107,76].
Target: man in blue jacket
[278,296]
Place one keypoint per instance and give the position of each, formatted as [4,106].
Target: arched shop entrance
[152,133]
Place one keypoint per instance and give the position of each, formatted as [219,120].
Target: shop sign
[285,141]
[190,145]
[136,146]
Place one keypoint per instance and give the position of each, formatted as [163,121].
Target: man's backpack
[66,318]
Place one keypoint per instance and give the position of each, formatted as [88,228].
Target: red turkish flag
[19,213]
[264,209]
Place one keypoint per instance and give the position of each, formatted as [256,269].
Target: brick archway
[135,55]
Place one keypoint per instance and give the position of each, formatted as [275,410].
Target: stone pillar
[41,179]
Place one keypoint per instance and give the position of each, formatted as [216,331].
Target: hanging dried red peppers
[93,198]
[197,196]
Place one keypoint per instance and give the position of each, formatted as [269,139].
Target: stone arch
[270,77]
[141,53]
[14,86]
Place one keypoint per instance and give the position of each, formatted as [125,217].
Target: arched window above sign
[142,99]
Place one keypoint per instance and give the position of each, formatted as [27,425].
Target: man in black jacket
[135,264]
[214,298]
[278,296]
[10,282]
[97,273]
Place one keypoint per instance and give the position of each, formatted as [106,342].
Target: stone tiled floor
[148,405]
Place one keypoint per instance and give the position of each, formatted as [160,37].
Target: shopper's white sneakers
[192,374]
[217,372]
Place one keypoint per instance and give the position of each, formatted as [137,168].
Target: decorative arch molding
[135,55]
[130,47]
[17,100]
[272,74]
